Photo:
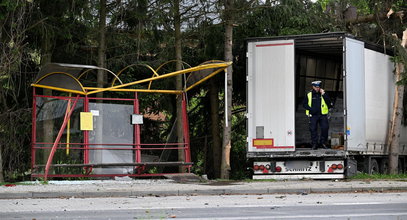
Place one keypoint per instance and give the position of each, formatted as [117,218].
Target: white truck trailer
[358,77]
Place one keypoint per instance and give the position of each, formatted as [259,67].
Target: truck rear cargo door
[270,100]
[355,94]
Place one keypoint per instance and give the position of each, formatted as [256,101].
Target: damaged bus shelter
[78,133]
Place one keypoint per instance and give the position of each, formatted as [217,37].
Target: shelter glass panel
[112,135]
[50,114]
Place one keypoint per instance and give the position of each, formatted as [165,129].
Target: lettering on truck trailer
[299,170]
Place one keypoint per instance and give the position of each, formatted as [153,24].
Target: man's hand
[322,91]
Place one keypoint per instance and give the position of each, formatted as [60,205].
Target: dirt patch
[185,178]
[223,183]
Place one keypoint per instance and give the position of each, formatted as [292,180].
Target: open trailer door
[271,96]
[355,94]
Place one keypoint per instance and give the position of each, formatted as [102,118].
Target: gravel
[87,185]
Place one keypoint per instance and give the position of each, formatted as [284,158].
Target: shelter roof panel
[72,69]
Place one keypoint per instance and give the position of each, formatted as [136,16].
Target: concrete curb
[130,193]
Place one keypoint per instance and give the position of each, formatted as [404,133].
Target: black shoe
[323,146]
[314,147]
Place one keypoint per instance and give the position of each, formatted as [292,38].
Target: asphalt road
[279,206]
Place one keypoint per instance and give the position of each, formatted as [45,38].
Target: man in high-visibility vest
[317,105]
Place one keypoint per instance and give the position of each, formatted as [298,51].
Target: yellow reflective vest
[324,107]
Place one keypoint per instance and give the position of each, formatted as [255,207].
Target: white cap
[316,83]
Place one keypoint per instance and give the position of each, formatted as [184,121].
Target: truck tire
[402,166]
[384,166]
[374,167]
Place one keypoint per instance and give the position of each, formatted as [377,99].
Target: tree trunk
[227,131]
[394,139]
[48,129]
[215,130]
[178,79]
[101,78]
[102,46]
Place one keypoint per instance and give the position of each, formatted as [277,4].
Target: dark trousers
[322,121]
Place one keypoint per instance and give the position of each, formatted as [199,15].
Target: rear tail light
[278,169]
[256,167]
[336,167]
[268,167]
[261,167]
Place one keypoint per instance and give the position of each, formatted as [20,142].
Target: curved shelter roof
[67,77]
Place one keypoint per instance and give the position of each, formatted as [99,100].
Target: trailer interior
[319,59]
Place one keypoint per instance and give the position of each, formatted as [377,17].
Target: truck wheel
[384,166]
[374,167]
[402,166]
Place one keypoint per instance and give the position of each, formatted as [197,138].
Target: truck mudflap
[297,169]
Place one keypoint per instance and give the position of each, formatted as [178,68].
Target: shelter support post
[187,150]
[136,139]
[34,129]
[86,133]
[61,130]
[68,130]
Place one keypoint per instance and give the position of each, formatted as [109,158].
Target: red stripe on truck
[272,45]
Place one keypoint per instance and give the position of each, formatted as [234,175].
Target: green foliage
[400,56]
[153,170]
[286,18]
[15,129]
[199,164]
[7,6]
[238,151]
[199,130]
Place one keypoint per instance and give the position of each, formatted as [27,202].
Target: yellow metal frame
[140,90]
[204,79]
[207,77]
[218,66]
[171,61]
[107,70]
[138,64]
[168,62]
[36,84]
[58,89]
[197,68]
